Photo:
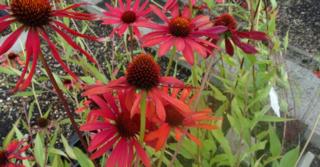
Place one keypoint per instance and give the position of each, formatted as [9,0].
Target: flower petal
[165,46]
[56,55]
[158,12]
[142,154]
[229,47]
[11,39]
[73,44]
[95,126]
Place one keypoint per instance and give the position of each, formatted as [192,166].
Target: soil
[301,19]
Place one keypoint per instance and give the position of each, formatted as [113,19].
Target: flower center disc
[12,56]
[42,122]
[226,20]
[128,127]
[180,27]
[173,116]
[143,72]
[129,17]
[33,13]
[3,158]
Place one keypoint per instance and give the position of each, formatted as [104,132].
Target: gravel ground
[301,18]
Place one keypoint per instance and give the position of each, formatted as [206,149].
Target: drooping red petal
[3,7]
[165,46]
[135,107]
[136,5]
[76,5]
[247,48]
[102,150]
[100,102]
[255,35]
[73,44]
[193,138]
[101,138]
[229,47]
[178,134]
[159,13]
[175,102]
[186,13]
[117,153]
[5,24]
[95,126]
[74,15]
[11,39]
[161,113]
[105,113]
[142,154]
[56,55]
[188,54]
[160,135]
[171,81]
[35,51]
[29,51]
[13,145]
[75,33]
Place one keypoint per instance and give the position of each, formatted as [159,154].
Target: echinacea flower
[126,16]
[13,151]
[182,31]
[234,35]
[180,121]
[35,17]
[317,73]
[114,128]
[11,59]
[143,76]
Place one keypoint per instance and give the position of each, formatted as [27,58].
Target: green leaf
[26,93]
[274,4]
[217,94]
[57,152]
[290,158]
[7,71]
[57,162]
[269,118]
[39,150]
[18,132]
[94,71]
[67,148]
[275,144]
[82,158]
[10,135]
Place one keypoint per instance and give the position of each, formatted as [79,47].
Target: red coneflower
[11,59]
[114,129]
[235,36]
[14,150]
[181,31]
[125,16]
[180,121]
[35,16]
[143,75]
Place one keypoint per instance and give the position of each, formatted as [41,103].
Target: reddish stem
[63,100]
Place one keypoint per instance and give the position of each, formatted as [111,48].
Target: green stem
[172,55]
[143,115]
[161,156]
[36,99]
